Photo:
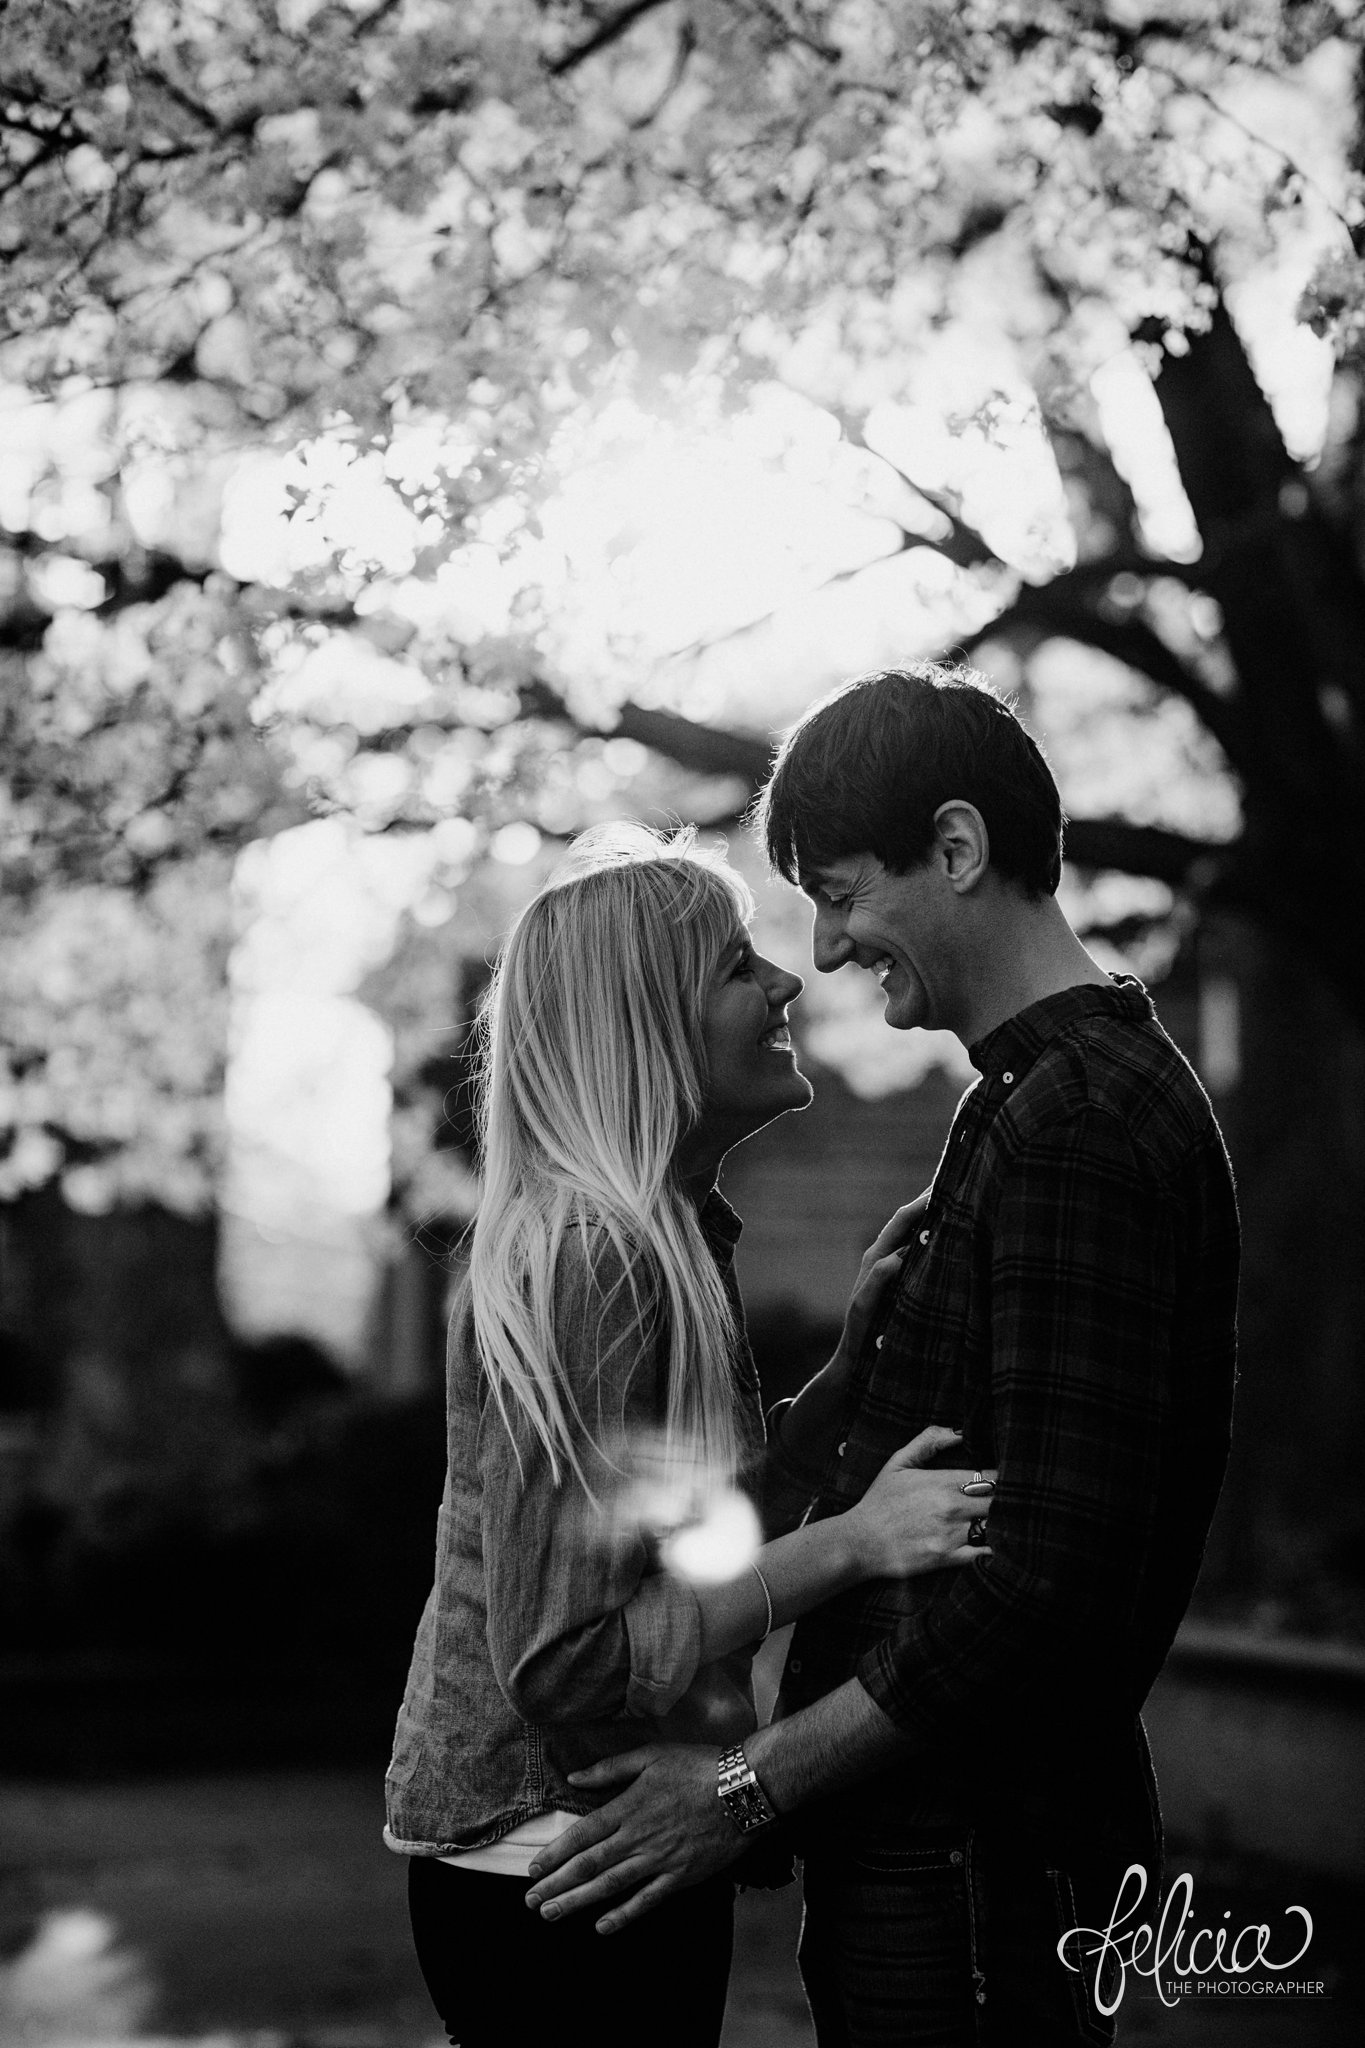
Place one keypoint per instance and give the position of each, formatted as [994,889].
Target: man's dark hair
[865,771]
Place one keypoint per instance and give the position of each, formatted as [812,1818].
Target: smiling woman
[751,1070]
[596,1570]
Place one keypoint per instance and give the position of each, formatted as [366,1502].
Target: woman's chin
[736,1123]
[797,1093]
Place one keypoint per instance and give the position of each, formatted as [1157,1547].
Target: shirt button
[795,1665]
[1007,1078]
[880,1341]
[924,1237]
[843,1447]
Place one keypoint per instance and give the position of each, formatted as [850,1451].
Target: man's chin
[901,1016]
[903,999]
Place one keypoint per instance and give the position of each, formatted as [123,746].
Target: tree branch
[907,541]
[1145,850]
[964,546]
[706,750]
[682,56]
[1068,609]
[602,38]
[828,53]
[1290,167]
[184,98]
[1148,850]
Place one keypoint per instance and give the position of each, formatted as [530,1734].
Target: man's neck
[1029,952]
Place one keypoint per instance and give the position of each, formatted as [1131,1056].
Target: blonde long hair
[593,1069]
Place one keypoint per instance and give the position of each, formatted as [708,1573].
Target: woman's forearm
[910,1520]
[810,1565]
[808,1425]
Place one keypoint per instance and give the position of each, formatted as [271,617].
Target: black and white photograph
[682,1023]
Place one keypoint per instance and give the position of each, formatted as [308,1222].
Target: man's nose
[830,944]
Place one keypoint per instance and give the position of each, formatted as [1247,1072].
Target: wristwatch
[741,1794]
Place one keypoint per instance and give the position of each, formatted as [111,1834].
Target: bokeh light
[704,1528]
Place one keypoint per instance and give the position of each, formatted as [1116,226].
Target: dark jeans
[501,1977]
[949,1943]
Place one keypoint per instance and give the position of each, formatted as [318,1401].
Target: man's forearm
[665,1827]
[838,1741]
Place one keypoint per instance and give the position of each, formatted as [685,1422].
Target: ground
[261,1910]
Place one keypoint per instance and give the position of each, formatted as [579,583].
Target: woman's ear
[962,843]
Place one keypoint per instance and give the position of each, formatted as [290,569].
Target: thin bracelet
[767,1596]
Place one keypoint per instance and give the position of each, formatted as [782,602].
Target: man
[960,1759]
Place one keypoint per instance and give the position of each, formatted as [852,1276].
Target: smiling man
[960,1760]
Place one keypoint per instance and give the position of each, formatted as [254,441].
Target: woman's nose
[779,986]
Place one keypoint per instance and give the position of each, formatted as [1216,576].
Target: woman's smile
[751,1070]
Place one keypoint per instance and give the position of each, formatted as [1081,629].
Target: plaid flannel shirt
[1070,1305]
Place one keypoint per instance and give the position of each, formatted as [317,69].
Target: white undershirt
[512,1854]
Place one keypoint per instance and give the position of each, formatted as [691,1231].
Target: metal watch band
[740,1792]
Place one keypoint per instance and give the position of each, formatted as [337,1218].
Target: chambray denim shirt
[551,1637]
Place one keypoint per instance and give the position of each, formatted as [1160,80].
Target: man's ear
[962,843]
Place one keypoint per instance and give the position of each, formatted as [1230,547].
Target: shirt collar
[1016,1044]
[720,1226]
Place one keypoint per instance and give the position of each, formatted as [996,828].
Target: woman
[601,1392]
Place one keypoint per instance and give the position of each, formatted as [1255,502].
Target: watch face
[741,1793]
[747,1807]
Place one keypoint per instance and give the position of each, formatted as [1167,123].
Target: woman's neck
[698,1165]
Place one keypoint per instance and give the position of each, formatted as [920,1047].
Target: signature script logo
[1172,1946]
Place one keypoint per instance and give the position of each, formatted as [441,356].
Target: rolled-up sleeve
[786,1486]
[1082,1287]
[582,1625]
